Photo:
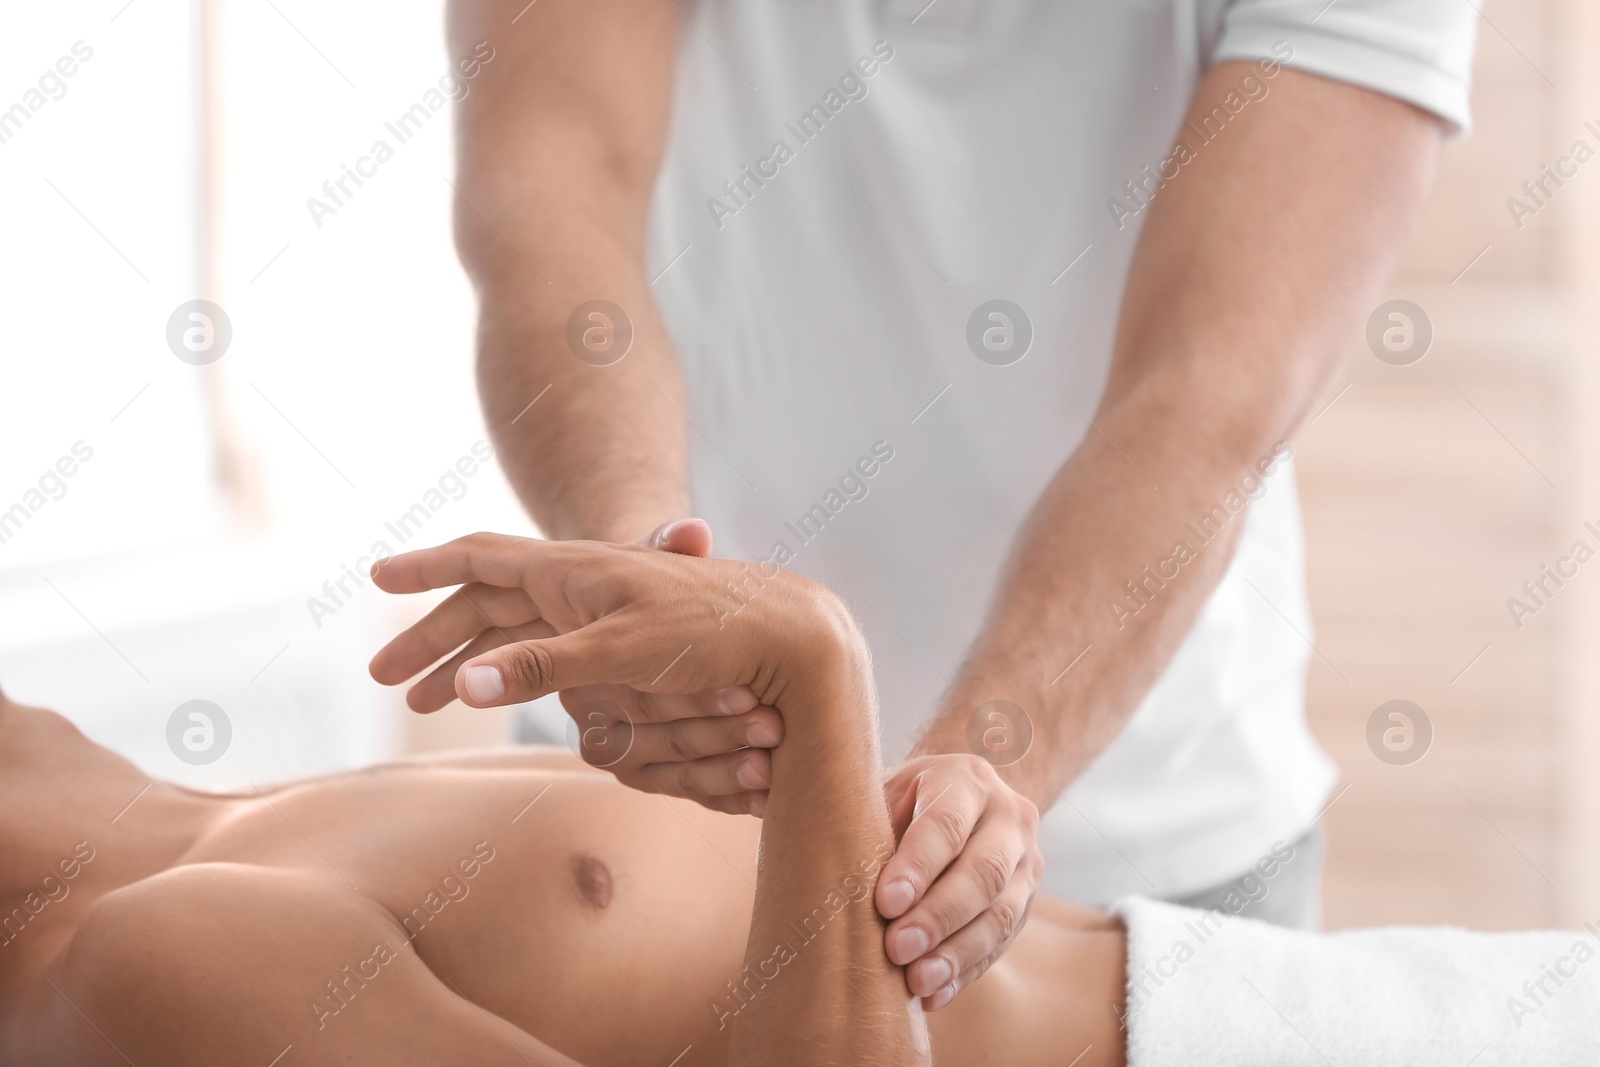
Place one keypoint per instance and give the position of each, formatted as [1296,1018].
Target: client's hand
[707,747]
[581,613]
[959,887]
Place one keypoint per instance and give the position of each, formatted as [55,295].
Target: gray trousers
[1290,896]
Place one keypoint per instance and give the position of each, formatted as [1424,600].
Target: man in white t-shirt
[997,318]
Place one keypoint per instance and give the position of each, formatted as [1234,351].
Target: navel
[593,880]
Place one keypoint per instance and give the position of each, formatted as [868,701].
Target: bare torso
[369,917]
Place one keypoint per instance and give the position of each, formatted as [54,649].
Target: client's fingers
[642,707]
[693,739]
[738,804]
[494,559]
[671,707]
[456,620]
[603,651]
[438,687]
[727,774]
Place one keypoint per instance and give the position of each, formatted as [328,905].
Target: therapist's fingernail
[907,945]
[935,974]
[897,897]
[761,735]
[484,684]
[665,536]
[749,775]
[735,701]
[941,998]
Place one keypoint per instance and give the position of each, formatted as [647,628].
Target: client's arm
[816,988]
[816,940]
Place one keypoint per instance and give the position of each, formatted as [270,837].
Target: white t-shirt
[845,183]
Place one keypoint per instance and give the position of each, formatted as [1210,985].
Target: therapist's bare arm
[559,142]
[1254,270]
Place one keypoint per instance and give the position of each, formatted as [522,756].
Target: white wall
[347,386]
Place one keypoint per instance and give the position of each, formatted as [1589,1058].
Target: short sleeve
[1419,51]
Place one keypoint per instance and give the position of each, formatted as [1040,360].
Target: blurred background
[1433,491]
[214,547]
[172,532]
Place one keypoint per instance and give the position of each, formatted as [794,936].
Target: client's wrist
[824,666]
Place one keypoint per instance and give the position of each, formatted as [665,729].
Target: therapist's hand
[711,748]
[961,882]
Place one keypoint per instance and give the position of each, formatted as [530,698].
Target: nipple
[593,880]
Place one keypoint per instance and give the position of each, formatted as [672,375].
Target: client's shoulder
[225,962]
[200,959]
[202,912]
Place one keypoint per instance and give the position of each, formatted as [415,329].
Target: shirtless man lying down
[522,908]
[518,907]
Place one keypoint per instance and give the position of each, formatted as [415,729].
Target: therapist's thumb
[527,670]
[686,537]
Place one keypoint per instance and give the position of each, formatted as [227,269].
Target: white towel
[1208,988]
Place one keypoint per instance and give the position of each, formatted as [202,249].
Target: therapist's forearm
[601,453]
[557,154]
[1255,267]
[1097,525]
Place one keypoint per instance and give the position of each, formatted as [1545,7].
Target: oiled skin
[602,930]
